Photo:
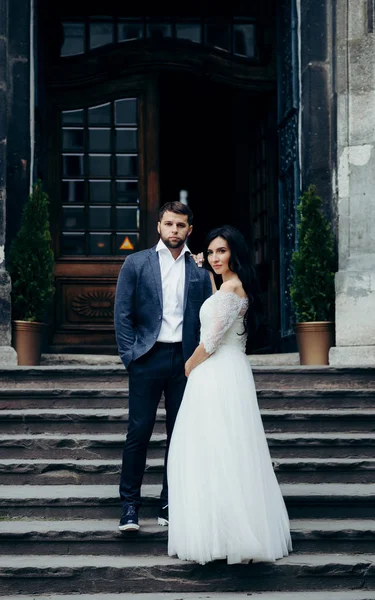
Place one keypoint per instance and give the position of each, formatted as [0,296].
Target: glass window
[217,35]
[189,31]
[126,243]
[73,217]
[100,191]
[126,165]
[99,217]
[126,140]
[74,39]
[126,111]
[100,243]
[99,140]
[129,30]
[127,217]
[127,191]
[101,34]
[159,31]
[73,191]
[73,139]
[73,244]
[73,117]
[100,165]
[72,165]
[100,115]
[244,40]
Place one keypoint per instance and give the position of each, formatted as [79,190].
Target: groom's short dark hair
[178,208]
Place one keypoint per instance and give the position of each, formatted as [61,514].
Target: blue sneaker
[129,518]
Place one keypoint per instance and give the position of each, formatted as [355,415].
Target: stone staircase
[61,436]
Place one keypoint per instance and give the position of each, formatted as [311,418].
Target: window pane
[126,140]
[127,165]
[99,165]
[73,217]
[99,140]
[73,140]
[100,191]
[73,117]
[189,31]
[129,31]
[127,217]
[74,39]
[158,31]
[72,165]
[218,36]
[126,243]
[100,243]
[100,115]
[73,244]
[99,217]
[101,34]
[244,40]
[126,111]
[127,191]
[73,191]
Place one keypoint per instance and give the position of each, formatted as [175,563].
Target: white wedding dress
[224,498]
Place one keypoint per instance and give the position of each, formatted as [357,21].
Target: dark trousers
[160,370]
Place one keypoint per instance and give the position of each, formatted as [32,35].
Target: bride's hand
[188,367]
[199,258]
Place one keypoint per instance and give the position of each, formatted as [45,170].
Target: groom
[158,297]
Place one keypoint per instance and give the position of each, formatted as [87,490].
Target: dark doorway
[219,143]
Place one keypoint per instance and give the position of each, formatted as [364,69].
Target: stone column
[355,280]
[8,356]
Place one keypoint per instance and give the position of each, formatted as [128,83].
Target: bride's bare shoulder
[234,286]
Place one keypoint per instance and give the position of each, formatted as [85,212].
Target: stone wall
[355,280]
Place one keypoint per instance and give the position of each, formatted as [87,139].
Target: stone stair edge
[291,595]
[16,527]
[321,369]
[100,492]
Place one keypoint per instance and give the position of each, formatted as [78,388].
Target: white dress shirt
[173,286]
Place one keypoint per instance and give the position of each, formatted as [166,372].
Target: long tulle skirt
[224,498]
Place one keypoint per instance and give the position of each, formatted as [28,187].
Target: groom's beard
[173,244]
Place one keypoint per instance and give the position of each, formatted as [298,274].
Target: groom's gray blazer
[139,304]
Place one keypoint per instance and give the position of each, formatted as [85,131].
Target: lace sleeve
[228,306]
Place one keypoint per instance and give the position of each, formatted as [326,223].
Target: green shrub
[31,261]
[314,263]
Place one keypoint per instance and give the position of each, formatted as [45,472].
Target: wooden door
[105,194]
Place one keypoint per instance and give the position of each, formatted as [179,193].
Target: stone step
[139,574]
[325,595]
[78,420]
[349,501]
[114,420]
[15,398]
[86,471]
[98,537]
[282,377]
[106,446]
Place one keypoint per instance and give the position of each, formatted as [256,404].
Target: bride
[224,498]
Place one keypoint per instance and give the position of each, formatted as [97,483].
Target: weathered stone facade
[355,280]
[7,354]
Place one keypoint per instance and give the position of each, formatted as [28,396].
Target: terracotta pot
[27,342]
[314,341]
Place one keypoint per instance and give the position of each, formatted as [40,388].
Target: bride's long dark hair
[240,263]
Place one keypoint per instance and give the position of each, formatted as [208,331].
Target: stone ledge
[352,356]
[8,357]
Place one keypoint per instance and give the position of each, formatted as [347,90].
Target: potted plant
[313,290]
[31,267]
